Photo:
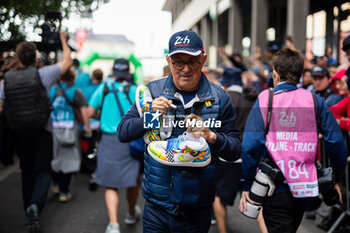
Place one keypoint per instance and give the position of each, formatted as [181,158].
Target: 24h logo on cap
[180,41]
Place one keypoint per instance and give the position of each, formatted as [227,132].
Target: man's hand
[224,57]
[67,61]
[161,104]
[202,131]
[243,202]
[337,188]
[221,52]
[93,113]
[289,43]
[251,77]
[64,37]
[341,119]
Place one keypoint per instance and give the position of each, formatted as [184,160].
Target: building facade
[243,25]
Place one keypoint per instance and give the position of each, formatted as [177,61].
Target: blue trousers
[157,220]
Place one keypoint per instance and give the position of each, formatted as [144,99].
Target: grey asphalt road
[87,213]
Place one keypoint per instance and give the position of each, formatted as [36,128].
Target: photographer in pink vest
[279,148]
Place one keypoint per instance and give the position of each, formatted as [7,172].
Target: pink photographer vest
[292,139]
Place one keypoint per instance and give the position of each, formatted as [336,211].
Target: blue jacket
[253,145]
[182,188]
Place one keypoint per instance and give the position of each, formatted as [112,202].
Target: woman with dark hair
[69,104]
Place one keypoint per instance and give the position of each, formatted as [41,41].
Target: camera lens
[259,190]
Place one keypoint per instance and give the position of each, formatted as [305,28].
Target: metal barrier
[345,213]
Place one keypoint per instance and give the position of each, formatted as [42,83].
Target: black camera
[271,169]
[326,184]
[50,33]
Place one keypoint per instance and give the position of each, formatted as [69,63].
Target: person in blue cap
[179,199]
[322,86]
[116,168]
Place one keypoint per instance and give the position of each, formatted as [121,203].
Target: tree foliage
[13,13]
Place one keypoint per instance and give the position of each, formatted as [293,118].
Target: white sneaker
[113,229]
[133,218]
[143,99]
[65,197]
[186,150]
[143,103]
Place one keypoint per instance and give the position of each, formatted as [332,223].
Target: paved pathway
[86,213]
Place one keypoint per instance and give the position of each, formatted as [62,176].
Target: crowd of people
[55,132]
[324,78]
[276,108]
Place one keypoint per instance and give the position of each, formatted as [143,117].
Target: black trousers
[63,180]
[35,153]
[227,181]
[7,144]
[283,213]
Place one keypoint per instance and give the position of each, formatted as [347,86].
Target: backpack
[27,106]
[62,108]
[137,147]
[106,90]
[61,92]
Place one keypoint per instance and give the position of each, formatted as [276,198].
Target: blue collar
[203,91]
[285,87]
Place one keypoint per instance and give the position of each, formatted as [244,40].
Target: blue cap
[187,42]
[319,71]
[121,68]
[231,76]
[273,46]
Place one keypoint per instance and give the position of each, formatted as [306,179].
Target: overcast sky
[142,22]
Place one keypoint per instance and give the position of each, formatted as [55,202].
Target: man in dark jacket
[180,198]
[322,87]
[33,144]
